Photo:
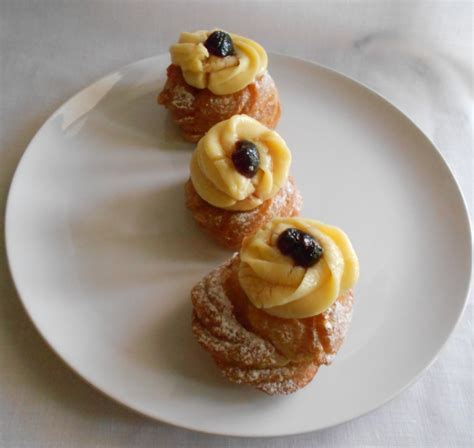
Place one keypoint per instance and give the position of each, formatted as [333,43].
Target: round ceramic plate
[104,254]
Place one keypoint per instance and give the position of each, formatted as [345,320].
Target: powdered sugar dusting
[218,330]
[182,99]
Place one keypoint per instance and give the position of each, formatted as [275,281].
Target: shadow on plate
[134,115]
[176,353]
[140,236]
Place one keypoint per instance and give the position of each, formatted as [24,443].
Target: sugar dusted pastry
[239,180]
[276,312]
[214,75]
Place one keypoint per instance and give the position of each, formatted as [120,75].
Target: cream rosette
[215,177]
[273,282]
[222,76]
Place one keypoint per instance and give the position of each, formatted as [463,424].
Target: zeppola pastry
[214,75]
[239,180]
[281,308]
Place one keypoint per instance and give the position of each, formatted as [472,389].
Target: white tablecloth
[418,54]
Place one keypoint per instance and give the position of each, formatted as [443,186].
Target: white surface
[417,54]
[104,254]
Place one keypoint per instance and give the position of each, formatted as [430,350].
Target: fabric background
[418,54]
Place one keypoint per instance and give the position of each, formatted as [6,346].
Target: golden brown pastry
[239,180]
[276,312]
[215,75]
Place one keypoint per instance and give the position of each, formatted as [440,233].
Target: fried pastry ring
[249,346]
[195,111]
[229,227]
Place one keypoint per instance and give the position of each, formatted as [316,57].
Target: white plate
[104,254]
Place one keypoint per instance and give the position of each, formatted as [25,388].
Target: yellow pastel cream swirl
[273,282]
[215,177]
[222,76]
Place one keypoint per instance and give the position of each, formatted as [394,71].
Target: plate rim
[189,426]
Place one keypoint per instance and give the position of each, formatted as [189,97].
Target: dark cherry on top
[220,44]
[246,158]
[300,246]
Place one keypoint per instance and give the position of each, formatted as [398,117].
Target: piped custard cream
[222,76]
[274,283]
[216,179]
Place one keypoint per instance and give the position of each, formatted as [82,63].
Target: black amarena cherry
[300,246]
[288,240]
[246,158]
[219,43]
